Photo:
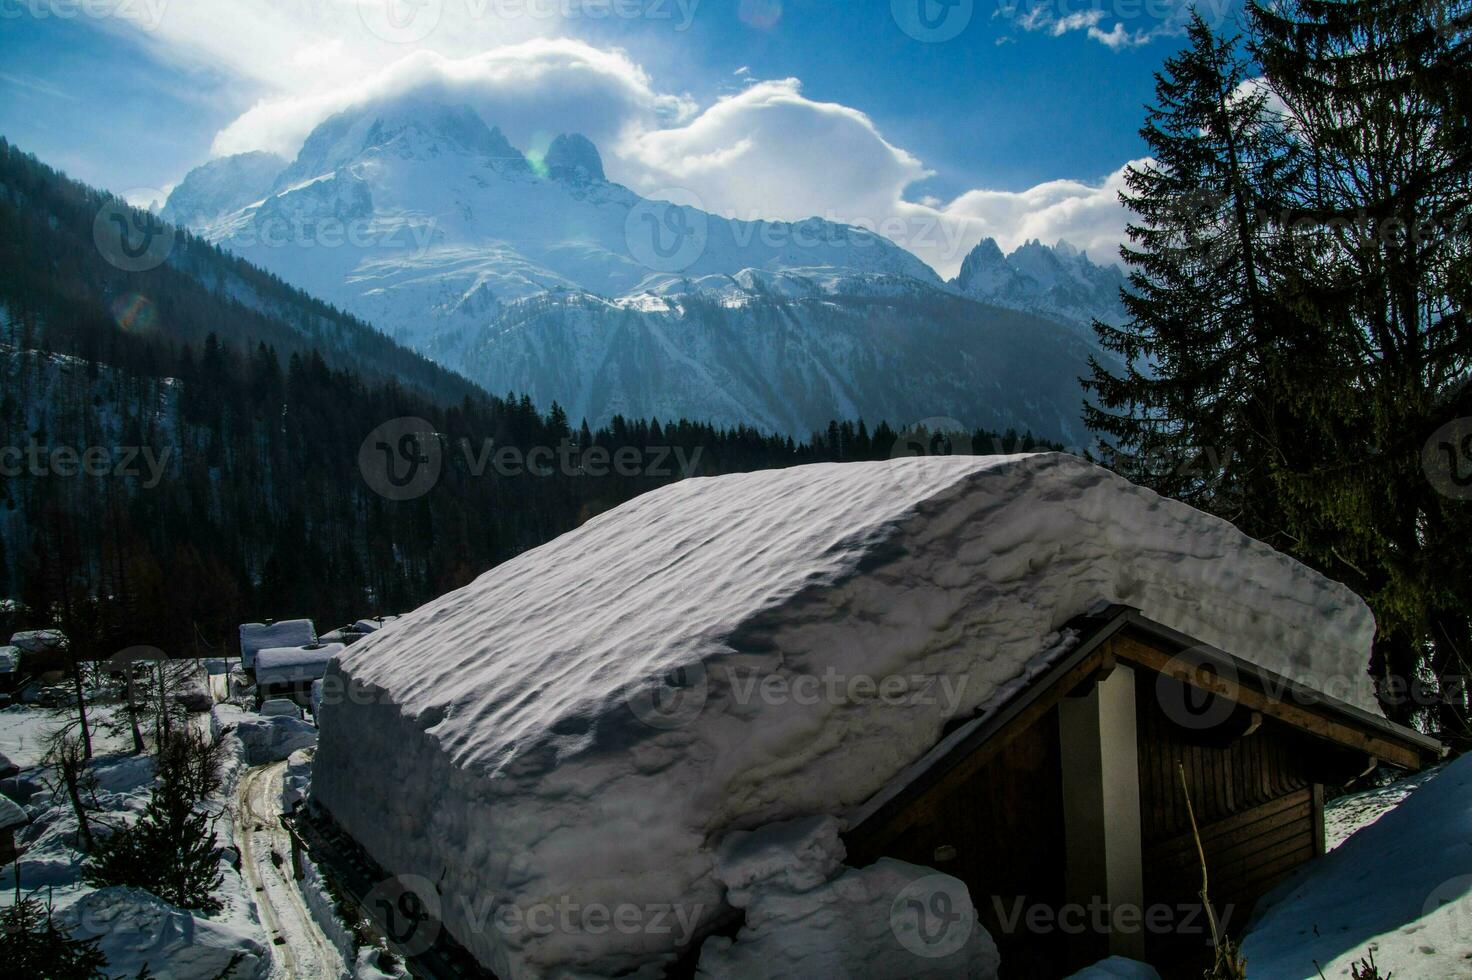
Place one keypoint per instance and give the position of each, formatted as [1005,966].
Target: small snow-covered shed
[10,658]
[12,818]
[287,671]
[987,665]
[255,637]
[44,651]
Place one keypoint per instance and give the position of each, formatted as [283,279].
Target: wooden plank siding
[1005,822]
[1258,806]
[988,807]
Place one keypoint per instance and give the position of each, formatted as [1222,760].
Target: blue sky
[1023,97]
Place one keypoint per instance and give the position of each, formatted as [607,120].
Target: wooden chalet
[1067,806]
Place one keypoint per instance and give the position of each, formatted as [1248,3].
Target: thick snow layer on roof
[39,641]
[293,665]
[586,720]
[255,637]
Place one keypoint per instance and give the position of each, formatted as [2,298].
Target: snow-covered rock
[273,739]
[297,780]
[890,921]
[502,745]
[1402,887]
[136,929]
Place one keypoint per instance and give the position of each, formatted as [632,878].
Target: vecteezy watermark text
[138,462]
[404,458]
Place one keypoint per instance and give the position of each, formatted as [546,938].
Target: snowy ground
[302,949]
[1344,816]
[1399,885]
[266,917]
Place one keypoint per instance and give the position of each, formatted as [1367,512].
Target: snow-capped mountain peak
[222,186]
[573,157]
[1059,281]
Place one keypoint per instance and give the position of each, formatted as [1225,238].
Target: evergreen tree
[1378,93]
[32,945]
[170,850]
[1203,316]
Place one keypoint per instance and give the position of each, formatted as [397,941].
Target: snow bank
[888,920]
[805,919]
[586,720]
[294,665]
[137,929]
[268,739]
[255,637]
[1117,968]
[1402,886]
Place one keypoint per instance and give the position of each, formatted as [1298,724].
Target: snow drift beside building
[503,740]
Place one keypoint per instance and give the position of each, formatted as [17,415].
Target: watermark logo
[668,234]
[132,239]
[141,463]
[670,699]
[1456,892]
[932,21]
[401,459]
[1196,691]
[1446,459]
[406,909]
[932,916]
[145,15]
[939,435]
[401,21]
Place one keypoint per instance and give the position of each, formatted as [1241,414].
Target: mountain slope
[60,258]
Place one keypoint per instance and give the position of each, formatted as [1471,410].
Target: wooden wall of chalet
[1258,806]
[1005,823]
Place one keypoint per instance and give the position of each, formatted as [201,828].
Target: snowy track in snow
[265,858]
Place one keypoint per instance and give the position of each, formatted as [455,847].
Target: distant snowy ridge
[1058,281]
[423,220]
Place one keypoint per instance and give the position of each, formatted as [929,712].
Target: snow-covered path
[265,859]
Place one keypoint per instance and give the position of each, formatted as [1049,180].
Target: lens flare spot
[134,312]
[761,14]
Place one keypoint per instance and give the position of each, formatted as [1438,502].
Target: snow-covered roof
[11,814]
[292,665]
[592,715]
[255,637]
[9,659]
[39,641]
[373,625]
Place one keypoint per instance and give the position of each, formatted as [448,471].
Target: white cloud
[767,151]
[532,90]
[1118,37]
